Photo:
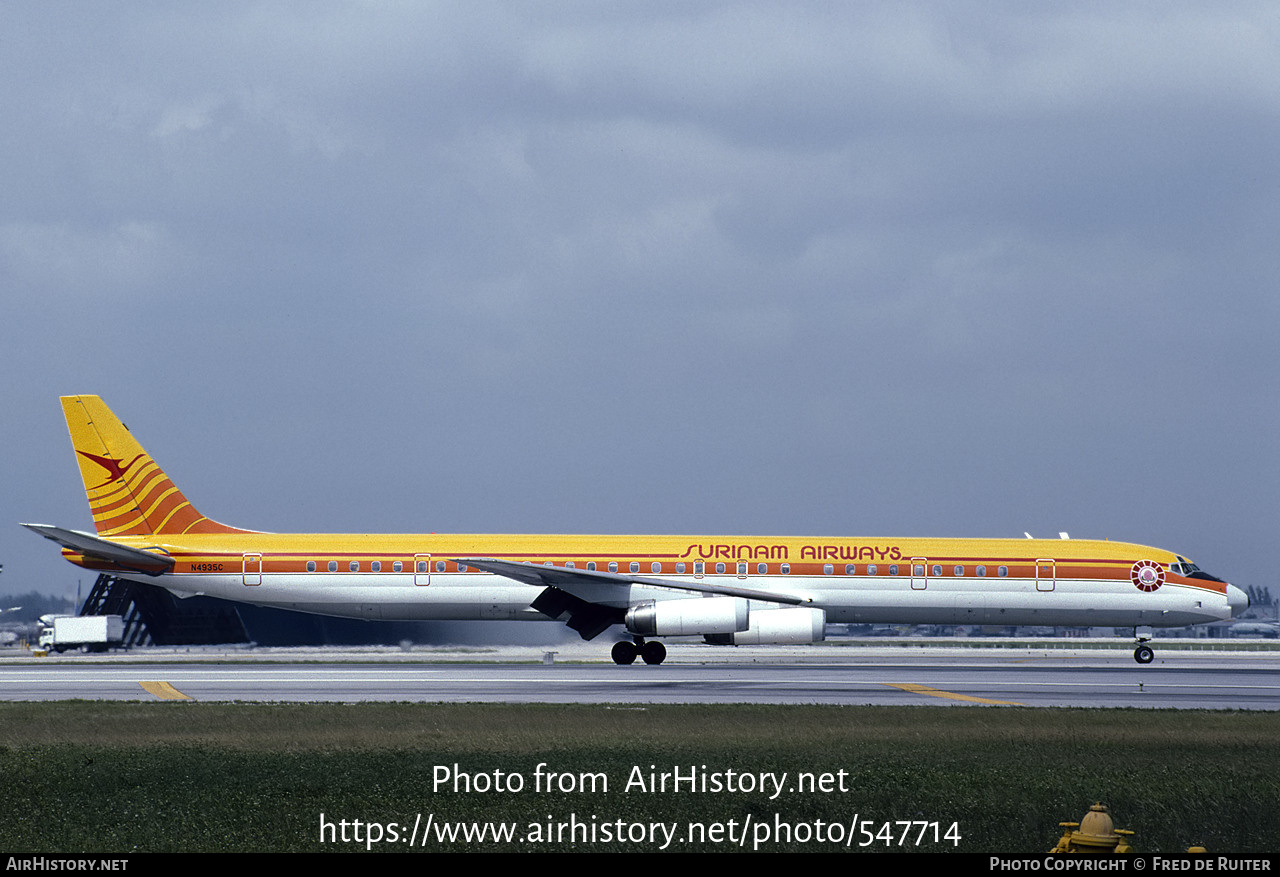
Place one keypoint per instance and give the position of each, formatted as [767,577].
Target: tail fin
[129,495]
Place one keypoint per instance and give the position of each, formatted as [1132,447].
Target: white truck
[90,633]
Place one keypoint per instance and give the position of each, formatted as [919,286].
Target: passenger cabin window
[871,569]
[462,567]
[591,565]
[762,568]
[311,566]
[333,566]
[849,569]
[680,567]
[827,569]
[917,569]
[1003,570]
[937,570]
[893,570]
[439,566]
[613,566]
[397,567]
[355,566]
[635,566]
[742,569]
[377,566]
[981,570]
[719,567]
[655,567]
[786,569]
[569,564]
[959,570]
[422,566]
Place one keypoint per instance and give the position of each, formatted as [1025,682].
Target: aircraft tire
[624,653]
[653,652]
[1144,654]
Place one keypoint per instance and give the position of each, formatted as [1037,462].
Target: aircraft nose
[1237,599]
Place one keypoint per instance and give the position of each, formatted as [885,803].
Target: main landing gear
[652,652]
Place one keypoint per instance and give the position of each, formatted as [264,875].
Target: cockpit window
[1184,567]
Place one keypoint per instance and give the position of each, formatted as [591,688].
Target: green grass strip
[131,777]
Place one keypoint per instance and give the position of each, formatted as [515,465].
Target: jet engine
[722,616]
[776,627]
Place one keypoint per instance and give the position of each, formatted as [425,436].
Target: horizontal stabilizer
[92,546]
[571,579]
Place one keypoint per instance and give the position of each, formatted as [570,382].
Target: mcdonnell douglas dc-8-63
[730,590]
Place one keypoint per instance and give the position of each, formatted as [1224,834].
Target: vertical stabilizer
[129,495]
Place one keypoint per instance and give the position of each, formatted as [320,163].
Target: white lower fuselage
[845,599]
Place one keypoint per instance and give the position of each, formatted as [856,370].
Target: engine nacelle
[777,627]
[710,615]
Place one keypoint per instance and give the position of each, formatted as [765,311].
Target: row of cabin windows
[917,569]
[698,568]
[376,566]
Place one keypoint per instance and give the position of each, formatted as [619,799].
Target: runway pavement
[932,676]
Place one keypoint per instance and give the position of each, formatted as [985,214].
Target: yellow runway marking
[937,692]
[164,691]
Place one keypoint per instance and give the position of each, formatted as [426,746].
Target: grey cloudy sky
[779,268]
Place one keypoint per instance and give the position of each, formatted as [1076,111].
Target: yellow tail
[129,495]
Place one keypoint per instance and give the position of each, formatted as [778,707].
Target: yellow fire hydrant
[1095,833]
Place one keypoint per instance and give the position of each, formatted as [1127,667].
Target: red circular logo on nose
[1147,575]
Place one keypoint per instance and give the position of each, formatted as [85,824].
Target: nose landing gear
[1143,654]
[651,652]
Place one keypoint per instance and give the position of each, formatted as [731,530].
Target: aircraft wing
[600,587]
[92,546]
